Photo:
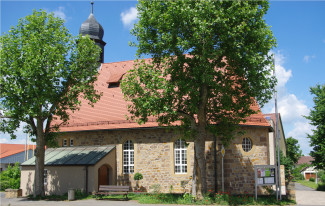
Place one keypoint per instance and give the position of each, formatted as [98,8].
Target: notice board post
[265,175]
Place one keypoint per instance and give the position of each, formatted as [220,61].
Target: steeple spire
[92,6]
[95,31]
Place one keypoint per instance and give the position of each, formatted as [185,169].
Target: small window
[128,157]
[247,144]
[45,176]
[65,143]
[113,84]
[71,142]
[180,152]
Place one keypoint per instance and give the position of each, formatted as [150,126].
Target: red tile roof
[305,159]
[111,110]
[11,149]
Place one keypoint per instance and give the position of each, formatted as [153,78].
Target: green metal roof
[86,155]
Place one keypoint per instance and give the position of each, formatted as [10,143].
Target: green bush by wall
[10,178]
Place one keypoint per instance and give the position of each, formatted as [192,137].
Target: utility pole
[278,138]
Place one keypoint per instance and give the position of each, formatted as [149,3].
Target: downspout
[86,185]
[215,163]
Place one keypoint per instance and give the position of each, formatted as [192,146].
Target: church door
[103,175]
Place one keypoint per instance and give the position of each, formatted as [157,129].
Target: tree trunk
[194,177]
[39,163]
[199,143]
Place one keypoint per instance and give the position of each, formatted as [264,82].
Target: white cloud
[4,140]
[300,131]
[282,75]
[307,58]
[20,139]
[59,13]
[290,107]
[129,17]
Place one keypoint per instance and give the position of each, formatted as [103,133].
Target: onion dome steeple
[95,31]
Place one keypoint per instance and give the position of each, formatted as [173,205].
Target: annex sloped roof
[11,149]
[305,159]
[111,110]
[83,155]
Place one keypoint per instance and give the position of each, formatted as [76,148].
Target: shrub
[312,179]
[171,188]
[322,178]
[155,188]
[298,176]
[321,187]
[138,176]
[10,178]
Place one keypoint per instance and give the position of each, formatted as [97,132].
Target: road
[308,196]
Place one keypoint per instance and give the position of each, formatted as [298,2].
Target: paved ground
[92,202]
[304,196]
[308,196]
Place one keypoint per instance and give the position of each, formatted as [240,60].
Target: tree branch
[32,124]
[187,116]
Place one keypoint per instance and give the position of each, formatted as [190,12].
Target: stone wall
[154,158]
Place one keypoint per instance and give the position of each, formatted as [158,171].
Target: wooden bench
[113,189]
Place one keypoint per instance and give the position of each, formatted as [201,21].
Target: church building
[99,146]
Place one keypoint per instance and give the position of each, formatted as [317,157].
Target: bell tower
[95,31]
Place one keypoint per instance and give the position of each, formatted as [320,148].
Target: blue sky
[299,27]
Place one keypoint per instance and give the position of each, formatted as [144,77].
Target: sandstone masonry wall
[154,158]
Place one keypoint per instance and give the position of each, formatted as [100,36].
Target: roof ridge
[126,61]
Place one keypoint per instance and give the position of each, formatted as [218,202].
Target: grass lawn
[186,199]
[211,199]
[308,183]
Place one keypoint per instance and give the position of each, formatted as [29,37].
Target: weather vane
[92,5]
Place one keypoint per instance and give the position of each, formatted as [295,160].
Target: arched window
[128,157]
[180,152]
[247,144]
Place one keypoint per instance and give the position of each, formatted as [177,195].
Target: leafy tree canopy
[317,118]
[43,72]
[293,149]
[188,42]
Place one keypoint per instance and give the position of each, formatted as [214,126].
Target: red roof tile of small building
[11,149]
[111,110]
[305,159]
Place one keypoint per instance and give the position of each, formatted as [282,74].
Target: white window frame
[247,144]
[180,157]
[128,157]
[45,177]
[64,143]
[71,142]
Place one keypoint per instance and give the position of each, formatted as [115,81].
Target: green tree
[293,149]
[10,178]
[288,164]
[189,41]
[43,72]
[317,118]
